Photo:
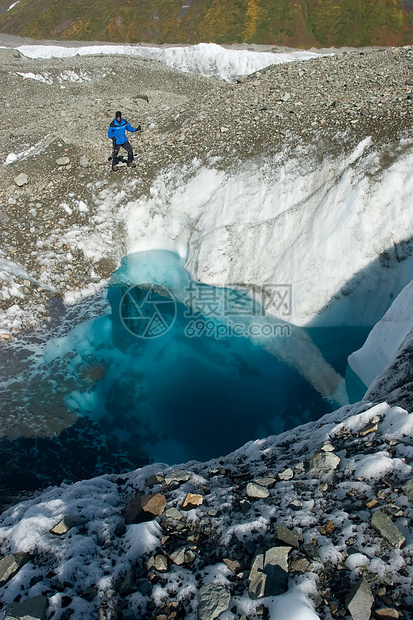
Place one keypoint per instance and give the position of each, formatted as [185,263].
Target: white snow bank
[207,59]
[386,337]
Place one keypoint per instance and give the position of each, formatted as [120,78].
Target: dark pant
[126,145]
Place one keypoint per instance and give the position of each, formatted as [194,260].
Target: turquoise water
[174,371]
[181,384]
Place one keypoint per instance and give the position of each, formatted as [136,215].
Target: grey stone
[408,489]
[299,468]
[173,513]
[287,474]
[178,476]
[31,609]
[359,601]
[300,564]
[21,179]
[269,573]
[84,162]
[189,556]
[234,565]
[323,462]
[385,526]
[296,504]
[288,536]
[386,613]
[159,562]
[212,601]
[62,161]
[154,479]
[128,585]
[178,557]
[268,482]
[11,564]
[144,508]
[67,523]
[256,491]
[311,552]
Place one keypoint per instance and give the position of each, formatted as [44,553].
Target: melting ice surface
[170,380]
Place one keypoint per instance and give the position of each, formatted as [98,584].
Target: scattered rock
[178,476]
[359,601]
[66,524]
[288,537]
[21,179]
[159,562]
[268,482]
[234,565]
[89,593]
[144,508]
[386,613]
[173,513]
[154,480]
[323,462]
[11,564]
[212,601]
[63,161]
[269,573]
[299,564]
[311,552]
[287,474]
[31,609]
[83,162]
[128,585]
[385,526]
[192,500]
[408,489]
[256,491]
[178,557]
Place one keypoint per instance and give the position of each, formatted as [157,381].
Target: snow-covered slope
[325,507]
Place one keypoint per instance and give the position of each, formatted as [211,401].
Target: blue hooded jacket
[117,130]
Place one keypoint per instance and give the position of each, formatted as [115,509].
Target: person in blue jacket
[117,134]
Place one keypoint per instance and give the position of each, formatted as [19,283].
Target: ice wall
[339,232]
[207,59]
[385,339]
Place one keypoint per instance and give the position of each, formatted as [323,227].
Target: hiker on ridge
[116,132]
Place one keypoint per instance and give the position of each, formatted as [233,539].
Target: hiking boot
[131,164]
